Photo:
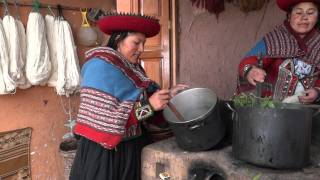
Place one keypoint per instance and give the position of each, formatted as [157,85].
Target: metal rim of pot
[203,116]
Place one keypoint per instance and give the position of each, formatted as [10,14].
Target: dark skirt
[93,162]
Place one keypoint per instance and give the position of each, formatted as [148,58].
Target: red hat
[287,4]
[114,22]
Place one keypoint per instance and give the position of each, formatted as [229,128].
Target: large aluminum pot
[201,127]
[273,137]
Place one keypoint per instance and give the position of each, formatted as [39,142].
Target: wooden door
[156,56]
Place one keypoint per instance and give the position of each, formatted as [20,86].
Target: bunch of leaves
[250,100]
[243,100]
[267,103]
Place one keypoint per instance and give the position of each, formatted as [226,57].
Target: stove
[165,160]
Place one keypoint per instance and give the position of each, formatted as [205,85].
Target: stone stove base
[166,156]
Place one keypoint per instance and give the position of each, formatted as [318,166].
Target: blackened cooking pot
[273,137]
[201,127]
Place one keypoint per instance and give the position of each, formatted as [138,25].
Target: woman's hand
[177,88]
[159,99]
[256,75]
[309,96]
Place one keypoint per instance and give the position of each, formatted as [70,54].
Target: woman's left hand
[177,88]
[309,97]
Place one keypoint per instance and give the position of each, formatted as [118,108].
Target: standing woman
[116,96]
[290,56]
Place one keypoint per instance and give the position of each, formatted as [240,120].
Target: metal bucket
[273,137]
[201,127]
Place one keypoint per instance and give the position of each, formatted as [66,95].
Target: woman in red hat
[116,97]
[287,59]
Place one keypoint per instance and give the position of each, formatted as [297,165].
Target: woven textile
[15,154]
[109,89]
[281,43]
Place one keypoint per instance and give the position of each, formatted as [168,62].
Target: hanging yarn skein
[38,64]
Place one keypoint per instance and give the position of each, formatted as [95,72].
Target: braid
[115,38]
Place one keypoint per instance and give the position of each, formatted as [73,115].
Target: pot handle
[232,109]
[196,126]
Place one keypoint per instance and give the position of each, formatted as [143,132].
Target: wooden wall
[40,107]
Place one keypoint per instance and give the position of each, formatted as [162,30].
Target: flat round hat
[115,22]
[286,5]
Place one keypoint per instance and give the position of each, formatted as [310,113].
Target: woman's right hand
[159,99]
[256,75]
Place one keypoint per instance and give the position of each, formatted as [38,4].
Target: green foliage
[256,177]
[249,100]
[243,100]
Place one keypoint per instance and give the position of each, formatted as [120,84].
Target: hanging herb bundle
[249,100]
[251,5]
[212,6]
[248,5]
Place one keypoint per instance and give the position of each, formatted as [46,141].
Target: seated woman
[287,58]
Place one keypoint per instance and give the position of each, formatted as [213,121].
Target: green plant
[250,100]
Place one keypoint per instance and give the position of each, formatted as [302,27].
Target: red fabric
[114,23]
[132,119]
[108,141]
[287,4]
[317,83]
[271,66]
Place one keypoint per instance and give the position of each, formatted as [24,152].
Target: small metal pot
[201,127]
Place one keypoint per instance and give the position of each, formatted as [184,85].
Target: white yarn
[7,85]
[15,59]
[38,65]
[72,65]
[60,45]
[68,64]
[51,24]
[23,83]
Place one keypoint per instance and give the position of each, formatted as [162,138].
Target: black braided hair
[115,38]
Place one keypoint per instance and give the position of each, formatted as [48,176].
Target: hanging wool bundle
[68,63]
[213,6]
[23,83]
[7,85]
[15,57]
[250,5]
[72,62]
[38,65]
[51,24]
